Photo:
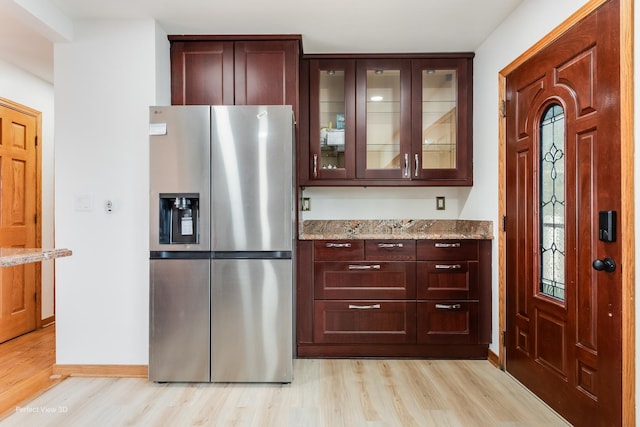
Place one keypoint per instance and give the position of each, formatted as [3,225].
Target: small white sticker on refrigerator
[157,128]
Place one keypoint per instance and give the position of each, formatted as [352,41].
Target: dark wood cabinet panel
[235,70]
[447,322]
[394,298]
[390,250]
[304,292]
[437,280]
[338,250]
[202,73]
[368,321]
[266,73]
[447,250]
[365,280]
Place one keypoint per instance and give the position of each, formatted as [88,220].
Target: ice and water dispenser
[179,218]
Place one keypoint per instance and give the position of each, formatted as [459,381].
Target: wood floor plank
[26,367]
[325,392]
[344,392]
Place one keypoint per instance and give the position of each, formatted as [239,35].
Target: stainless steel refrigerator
[221,244]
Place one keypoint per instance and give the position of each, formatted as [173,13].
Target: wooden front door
[562,171]
[18,223]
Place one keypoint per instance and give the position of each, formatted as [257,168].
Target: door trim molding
[627,198]
[38,117]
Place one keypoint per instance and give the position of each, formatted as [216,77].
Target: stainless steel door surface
[252,178]
[251,322]
[179,162]
[179,320]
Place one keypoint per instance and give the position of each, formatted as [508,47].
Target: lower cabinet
[365,322]
[447,322]
[394,298]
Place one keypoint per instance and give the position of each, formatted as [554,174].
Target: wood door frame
[38,117]
[627,197]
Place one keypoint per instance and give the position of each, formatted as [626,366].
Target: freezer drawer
[179,320]
[251,322]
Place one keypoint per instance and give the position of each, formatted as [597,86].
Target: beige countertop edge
[415,229]
[17,256]
[307,236]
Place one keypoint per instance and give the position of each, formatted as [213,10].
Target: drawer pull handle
[448,266]
[448,306]
[338,245]
[364,267]
[390,245]
[364,307]
[447,245]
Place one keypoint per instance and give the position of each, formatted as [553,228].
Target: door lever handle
[607,264]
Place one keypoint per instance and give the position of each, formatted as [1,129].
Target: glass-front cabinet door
[383,103]
[390,121]
[332,119]
[441,110]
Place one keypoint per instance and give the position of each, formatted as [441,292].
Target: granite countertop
[395,229]
[17,256]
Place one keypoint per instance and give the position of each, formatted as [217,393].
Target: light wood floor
[324,393]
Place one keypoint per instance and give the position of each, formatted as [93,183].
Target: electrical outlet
[306,204]
[440,206]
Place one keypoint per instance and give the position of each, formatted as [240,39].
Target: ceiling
[328,26]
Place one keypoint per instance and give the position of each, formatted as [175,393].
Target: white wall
[19,86]
[105,80]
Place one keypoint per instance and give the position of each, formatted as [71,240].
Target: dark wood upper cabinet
[235,70]
[202,73]
[388,120]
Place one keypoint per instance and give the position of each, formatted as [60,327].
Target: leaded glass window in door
[552,202]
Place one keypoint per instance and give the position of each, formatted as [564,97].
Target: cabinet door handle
[364,267]
[448,266]
[337,245]
[417,165]
[315,165]
[390,245]
[447,245]
[448,306]
[406,165]
[364,307]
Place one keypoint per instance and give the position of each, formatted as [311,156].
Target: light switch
[84,203]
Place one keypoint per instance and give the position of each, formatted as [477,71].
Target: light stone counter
[395,229]
[17,256]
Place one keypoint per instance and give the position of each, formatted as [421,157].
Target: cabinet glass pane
[439,118]
[332,119]
[383,119]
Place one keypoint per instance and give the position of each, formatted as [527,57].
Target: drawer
[390,250]
[447,280]
[364,280]
[365,322]
[447,322]
[443,249]
[338,250]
